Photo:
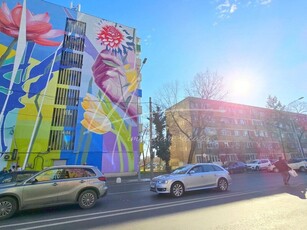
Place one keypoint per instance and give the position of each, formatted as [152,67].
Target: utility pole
[150,139]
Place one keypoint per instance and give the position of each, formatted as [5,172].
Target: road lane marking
[117,212]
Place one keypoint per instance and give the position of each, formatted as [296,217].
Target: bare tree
[207,85]
[180,120]
[298,107]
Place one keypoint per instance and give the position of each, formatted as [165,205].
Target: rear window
[79,172]
[211,168]
[217,168]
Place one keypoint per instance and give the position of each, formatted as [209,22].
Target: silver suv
[56,185]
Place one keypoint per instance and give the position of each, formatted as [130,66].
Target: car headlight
[162,182]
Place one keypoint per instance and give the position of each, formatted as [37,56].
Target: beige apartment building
[220,131]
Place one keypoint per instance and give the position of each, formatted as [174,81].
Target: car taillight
[102,178]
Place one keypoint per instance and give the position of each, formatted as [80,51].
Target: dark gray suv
[56,185]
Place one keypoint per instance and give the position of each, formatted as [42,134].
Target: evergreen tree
[162,141]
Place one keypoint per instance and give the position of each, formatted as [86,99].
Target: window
[69,77]
[62,140]
[64,117]
[52,174]
[208,168]
[75,27]
[67,97]
[79,173]
[197,169]
[217,168]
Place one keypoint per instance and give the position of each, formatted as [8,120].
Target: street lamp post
[139,72]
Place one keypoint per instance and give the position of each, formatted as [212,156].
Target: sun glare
[241,87]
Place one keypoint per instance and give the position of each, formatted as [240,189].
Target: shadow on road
[299,191]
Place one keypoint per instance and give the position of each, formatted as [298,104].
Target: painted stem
[7,52]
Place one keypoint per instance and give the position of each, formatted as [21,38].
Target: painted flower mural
[117,81]
[100,117]
[95,119]
[39,30]
[115,38]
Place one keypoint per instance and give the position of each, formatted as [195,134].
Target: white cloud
[265,2]
[227,7]
[233,8]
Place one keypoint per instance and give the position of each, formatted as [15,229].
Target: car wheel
[257,168]
[87,199]
[222,184]
[8,207]
[177,189]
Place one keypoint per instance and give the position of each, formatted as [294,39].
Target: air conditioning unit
[7,157]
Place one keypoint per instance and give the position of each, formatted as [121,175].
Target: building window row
[72,60]
[64,117]
[62,139]
[68,97]
[69,77]
[73,42]
[75,27]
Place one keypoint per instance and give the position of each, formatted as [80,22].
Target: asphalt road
[254,201]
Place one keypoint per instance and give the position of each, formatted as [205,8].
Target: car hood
[8,185]
[167,176]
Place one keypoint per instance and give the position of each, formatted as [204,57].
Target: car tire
[222,184]
[8,207]
[257,168]
[87,199]
[177,189]
[302,169]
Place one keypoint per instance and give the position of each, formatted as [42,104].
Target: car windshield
[7,178]
[181,170]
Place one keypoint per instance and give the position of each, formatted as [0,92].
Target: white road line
[86,217]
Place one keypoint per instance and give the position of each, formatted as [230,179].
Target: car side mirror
[192,172]
[31,181]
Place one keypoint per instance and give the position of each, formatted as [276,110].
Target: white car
[259,164]
[298,164]
[191,177]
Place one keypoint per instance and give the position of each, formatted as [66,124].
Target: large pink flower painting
[117,81]
[39,30]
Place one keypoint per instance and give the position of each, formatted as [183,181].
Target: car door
[74,180]
[41,190]
[194,178]
[209,175]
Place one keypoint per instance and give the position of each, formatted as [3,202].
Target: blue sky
[261,44]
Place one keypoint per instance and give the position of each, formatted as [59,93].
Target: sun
[241,86]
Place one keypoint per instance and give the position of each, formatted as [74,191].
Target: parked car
[298,164]
[272,167]
[259,164]
[191,177]
[18,176]
[56,185]
[235,167]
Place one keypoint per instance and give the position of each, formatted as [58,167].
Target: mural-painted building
[69,89]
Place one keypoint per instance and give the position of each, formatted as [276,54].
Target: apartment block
[217,131]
